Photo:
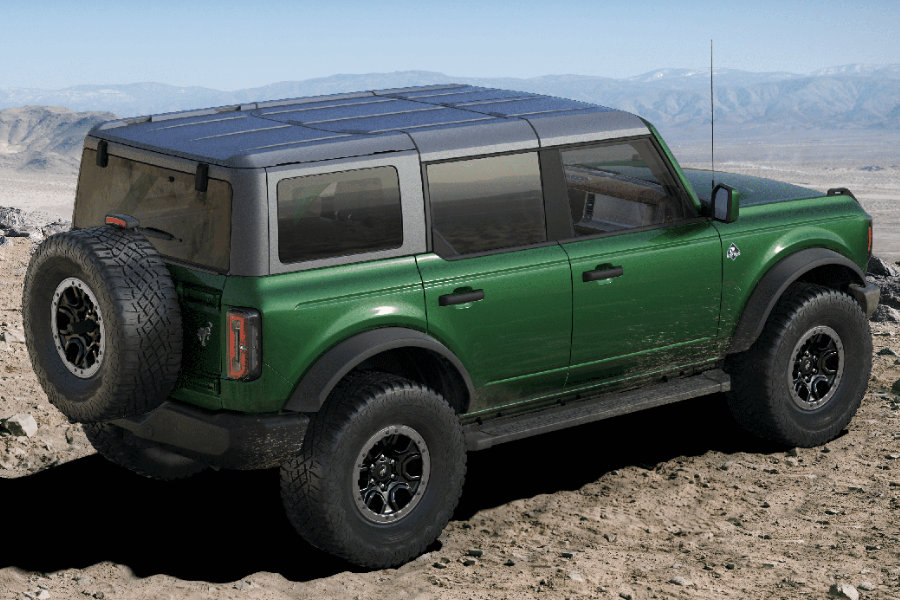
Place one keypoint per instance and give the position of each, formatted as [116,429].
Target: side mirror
[725,203]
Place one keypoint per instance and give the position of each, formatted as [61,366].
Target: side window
[486,204]
[337,214]
[618,186]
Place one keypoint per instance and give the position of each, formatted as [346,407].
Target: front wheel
[802,381]
[380,471]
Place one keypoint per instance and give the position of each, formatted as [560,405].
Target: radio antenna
[712,118]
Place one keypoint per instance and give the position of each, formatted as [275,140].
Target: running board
[480,436]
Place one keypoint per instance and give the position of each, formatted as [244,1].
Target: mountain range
[44,129]
[849,96]
[38,138]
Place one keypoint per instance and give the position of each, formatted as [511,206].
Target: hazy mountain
[848,96]
[40,137]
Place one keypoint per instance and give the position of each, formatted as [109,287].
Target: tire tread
[137,284]
[305,481]
[752,397]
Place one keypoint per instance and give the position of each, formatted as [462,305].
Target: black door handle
[598,274]
[460,298]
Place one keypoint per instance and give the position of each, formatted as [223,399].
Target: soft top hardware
[201,179]
[102,154]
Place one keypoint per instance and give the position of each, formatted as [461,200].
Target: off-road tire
[141,456]
[762,398]
[320,487]
[136,367]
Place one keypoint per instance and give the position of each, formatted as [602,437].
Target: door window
[619,186]
[486,204]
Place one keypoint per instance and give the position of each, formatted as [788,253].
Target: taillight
[869,247]
[244,347]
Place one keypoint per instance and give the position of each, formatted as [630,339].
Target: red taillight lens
[244,347]
[869,248]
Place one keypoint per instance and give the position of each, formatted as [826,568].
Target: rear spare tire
[102,323]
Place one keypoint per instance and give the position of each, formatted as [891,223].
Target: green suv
[360,288]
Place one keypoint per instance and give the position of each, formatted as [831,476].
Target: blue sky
[232,45]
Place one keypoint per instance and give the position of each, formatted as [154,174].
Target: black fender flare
[319,380]
[774,283]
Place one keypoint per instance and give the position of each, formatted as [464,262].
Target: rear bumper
[222,439]
[868,297]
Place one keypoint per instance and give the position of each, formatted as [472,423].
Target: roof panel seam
[368,100]
[497,100]
[299,142]
[399,112]
[246,131]
[193,123]
[404,129]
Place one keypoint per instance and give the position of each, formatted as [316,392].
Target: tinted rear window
[163,199]
[336,214]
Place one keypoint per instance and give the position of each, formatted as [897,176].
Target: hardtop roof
[439,121]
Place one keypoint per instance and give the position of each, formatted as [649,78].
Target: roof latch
[102,154]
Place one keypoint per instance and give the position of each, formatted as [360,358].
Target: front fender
[774,283]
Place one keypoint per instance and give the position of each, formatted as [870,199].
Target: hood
[752,190]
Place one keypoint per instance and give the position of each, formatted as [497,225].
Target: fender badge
[203,334]
[733,252]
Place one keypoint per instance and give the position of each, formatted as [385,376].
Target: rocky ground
[670,503]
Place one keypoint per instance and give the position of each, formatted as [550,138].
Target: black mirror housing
[725,203]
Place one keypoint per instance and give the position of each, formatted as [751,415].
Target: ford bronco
[360,288]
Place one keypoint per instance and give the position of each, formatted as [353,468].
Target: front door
[646,269]
[644,302]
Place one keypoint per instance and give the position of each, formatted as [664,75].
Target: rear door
[646,269]
[497,293]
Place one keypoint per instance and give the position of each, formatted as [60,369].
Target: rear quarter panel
[305,313]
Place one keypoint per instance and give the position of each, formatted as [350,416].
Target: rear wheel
[380,471]
[802,381]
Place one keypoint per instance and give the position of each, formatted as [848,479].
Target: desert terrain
[675,502]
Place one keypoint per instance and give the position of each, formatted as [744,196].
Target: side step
[561,416]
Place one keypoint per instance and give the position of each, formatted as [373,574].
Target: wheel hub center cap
[381,469]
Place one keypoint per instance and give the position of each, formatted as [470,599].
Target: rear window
[336,214]
[162,199]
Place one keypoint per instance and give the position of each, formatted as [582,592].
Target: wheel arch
[397,350]
[815,265]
